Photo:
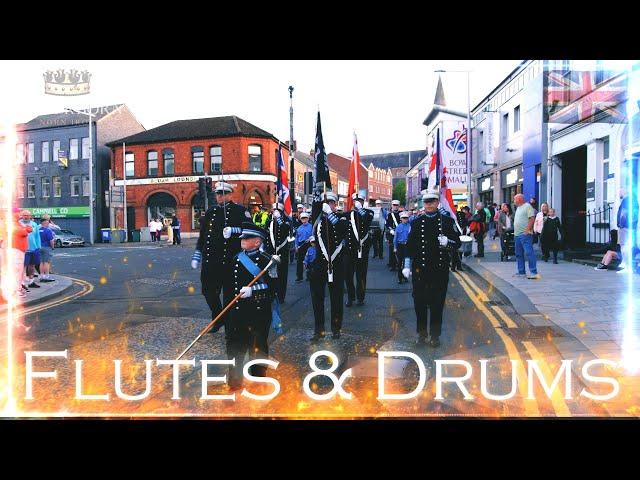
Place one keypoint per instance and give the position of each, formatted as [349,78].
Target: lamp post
[292,153]
[469,158]
[90,115]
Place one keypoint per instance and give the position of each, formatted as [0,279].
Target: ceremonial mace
[274,259]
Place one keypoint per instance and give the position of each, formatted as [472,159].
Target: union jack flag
[580,96]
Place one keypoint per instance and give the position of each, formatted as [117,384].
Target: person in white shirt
[153,228]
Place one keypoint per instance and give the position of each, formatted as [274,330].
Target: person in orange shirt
[19,246]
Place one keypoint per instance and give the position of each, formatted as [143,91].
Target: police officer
[215,248]
[260,217]
[278,231]
[358,245]
[329,231]
[377,228]
[247,322]
[303,234]
[393,220]
[432,238]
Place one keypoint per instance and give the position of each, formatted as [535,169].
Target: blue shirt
[402,233]
[310,257]
[303,233]
[34,236]
[46,235]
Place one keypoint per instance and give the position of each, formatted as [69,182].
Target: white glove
[444,241]
[276,214]
[195,264]
[246,292]
[406,272]
[392,231]
[226,232]
[357,204]
[326,208]
[395,250]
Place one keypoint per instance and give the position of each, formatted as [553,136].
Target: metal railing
[599,225]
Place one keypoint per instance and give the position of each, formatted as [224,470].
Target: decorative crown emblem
[62,82]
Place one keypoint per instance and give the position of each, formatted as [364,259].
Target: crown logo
[62,82]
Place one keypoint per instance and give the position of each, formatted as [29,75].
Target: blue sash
[251,267]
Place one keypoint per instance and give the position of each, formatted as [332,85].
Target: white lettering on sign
[193,179]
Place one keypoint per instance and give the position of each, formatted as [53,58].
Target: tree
[400,192]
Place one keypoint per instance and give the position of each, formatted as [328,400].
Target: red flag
[282,185]
[354,170]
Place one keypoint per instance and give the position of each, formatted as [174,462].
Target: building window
[215,153]
[20,188]
[75,185]
[85,185]
[31,187]
[169,159]
[516,119]
[46,187]
[57,187]
[56,149]
[85,147]
[505,126]
[197,156]
[152,163]
[45,152]
[73,149]
[605,148]
[20,153]
[255,158]
[129,161]
[31,152]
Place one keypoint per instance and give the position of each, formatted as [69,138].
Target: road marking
[505,318]
[87,288]
[530,406]
[557,399]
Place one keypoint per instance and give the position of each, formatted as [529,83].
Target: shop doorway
[574,196]
[161,205]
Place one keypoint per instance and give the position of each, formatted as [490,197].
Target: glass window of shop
[511,183]
[485,190]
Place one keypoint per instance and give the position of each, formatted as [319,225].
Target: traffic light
[209,184]
[201,189]
[308,183]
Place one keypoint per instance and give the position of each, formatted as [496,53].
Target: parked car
[66,238]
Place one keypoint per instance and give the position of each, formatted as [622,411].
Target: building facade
[340,166]
[163,166]
[398,163]
[380,184]
[53,151]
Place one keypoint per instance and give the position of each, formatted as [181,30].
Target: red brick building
[380,184]
[342,165]
[163,166]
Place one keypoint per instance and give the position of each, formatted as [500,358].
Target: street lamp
[469,158]
[90,115]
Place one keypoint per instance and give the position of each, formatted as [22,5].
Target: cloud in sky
[384,101]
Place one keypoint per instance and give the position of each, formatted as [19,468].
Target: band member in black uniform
[432,238]
[279,229]
[393,220]
[377,228]
[329,231]
[216,247]
[247,322]
[356,258]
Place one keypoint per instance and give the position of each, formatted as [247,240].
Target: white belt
[323,248]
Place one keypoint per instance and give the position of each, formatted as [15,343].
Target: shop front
[485,189]
[511,181]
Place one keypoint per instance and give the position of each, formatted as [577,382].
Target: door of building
[574,196]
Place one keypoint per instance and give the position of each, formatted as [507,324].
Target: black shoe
[435,342]
[335,336]
[25,288]
[422,341]
[360,303]
[316,338]
[453,269]
[34,285]
[348,303]
[298,280]
[47,280]
[555,262]
[460,269]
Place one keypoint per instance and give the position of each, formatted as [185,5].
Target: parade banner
[454,153]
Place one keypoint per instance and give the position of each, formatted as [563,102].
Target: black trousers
[283,273]
[358,266]
[377,241]
[429,293]
[318,283]
[176,236]
[392,256]
[401,254]
[456,261]
[480,242]
[247,333]
[302,251]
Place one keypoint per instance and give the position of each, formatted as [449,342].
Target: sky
[384,102]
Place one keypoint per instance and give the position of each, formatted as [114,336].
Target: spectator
[153,228]
[534,203]
[46,216]
[46,251]
[496,218]
[626,214]
[166,222]
[551,235]
[612,260]
[523,232]
[310,257]
[505,226]
[32,255]
[479,228]
[541,217]
[491,213]
[13,281]
[175,226]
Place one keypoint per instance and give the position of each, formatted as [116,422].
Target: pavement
[47,291]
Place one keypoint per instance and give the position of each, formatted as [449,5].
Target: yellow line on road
[87,288]
[557,399]
[483,297]
[530,406]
